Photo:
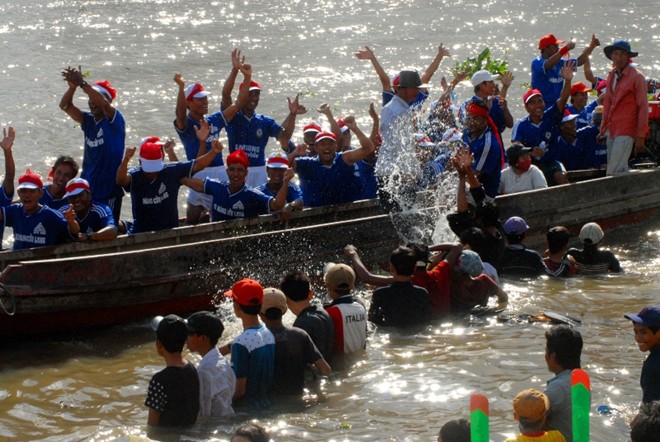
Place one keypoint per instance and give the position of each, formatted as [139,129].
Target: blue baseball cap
[648,316]
[515,226]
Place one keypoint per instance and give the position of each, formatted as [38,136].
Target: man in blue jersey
[390,85]
[63,171]
[95,219]
[154,185]
[546,68]
[253,351]
[234,199]
[537,128]
[192,106]
[329,178]
[486,146]
[484,86]
[105,133]
[7,193]
[250,131]
[276,168]
[34,224]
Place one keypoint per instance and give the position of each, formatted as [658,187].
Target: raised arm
[123,178]
[375,132]
[169,151]
[75,76]
[280,199]
[567,75]
[229,112]
[181,108]
[194,183]
[9,135]
[228,87]
[334,126]
[66,103]
[205,160]
[367,54]
[289,123]
[366,146]
[507,79]
[70,216]
[435,64]
[554,59]
[361,270]
[584,56]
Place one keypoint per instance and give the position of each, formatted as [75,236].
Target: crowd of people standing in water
[405,150]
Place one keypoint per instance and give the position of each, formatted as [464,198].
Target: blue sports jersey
[566,153]
[251,135]
[549,81]
[487,160]
[326,185]
[594,154]
[46,227]
[293,193]
[421,96]
[253,359]
[155,203]
[533,135]
[246,203]
[585,115]
[189,139]
[104,150]
[98,217]
[368,180]
[48,200]
[5,200]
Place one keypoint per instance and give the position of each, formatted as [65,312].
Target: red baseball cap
[549,40]
[324,135]
[30,180]
[254,86]
[579,87]
[246,292]
[531,93]
[312,127]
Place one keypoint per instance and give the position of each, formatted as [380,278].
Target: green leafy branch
[482,61]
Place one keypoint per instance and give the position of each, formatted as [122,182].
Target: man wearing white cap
[95,219]
[104,129]
[590,260]
[191,108]
[154,185]
[483,83]
[34,224]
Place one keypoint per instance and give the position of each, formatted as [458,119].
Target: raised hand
[295,107]
[594,43]
[216,146]
[507,78]
[9,135]
[288,175]
[236,59]
[365,54]
[178,79]
[350,122]
[443,51]
[567,72]
[73,76]
[168,147]
[69,214]
[325,109]
[130,151]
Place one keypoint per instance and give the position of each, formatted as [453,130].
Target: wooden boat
[188,268]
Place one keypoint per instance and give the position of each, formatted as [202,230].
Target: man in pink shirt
[625,109]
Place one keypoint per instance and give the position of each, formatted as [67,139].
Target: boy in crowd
[517,259]
[173,394]
[457,430]
[294,349]
[590,260]
[646,325]
[253,351]
[217,380]
[63,171]
[34,224]
[315,321]
[401,303]
[562,354]
[348,314]
[95,219]
[529,409]
[251,432]
[276,168]
[557,261]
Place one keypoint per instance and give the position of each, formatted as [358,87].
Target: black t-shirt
[174,392]
[591,261]
[400,304]
[519,261]
[294,350]
[318,325]
[650,379]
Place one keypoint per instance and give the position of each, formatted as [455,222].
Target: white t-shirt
[217,383]
[512,183]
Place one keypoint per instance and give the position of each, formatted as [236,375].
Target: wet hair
[646,425]
[457,430]
[404,260]
[421,251]
[65,159]
[252,310]
[295,285]
[488,213]
[557,238]
[566,343]
[253,432]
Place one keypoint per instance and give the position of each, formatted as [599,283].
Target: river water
[91,385]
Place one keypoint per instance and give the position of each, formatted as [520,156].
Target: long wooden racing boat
[81,285]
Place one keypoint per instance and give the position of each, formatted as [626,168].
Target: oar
[581,402]
[479,431]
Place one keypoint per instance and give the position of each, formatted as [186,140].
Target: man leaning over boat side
[625,108]
[154,185]
[191,107]
[104,132]
[95,219]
